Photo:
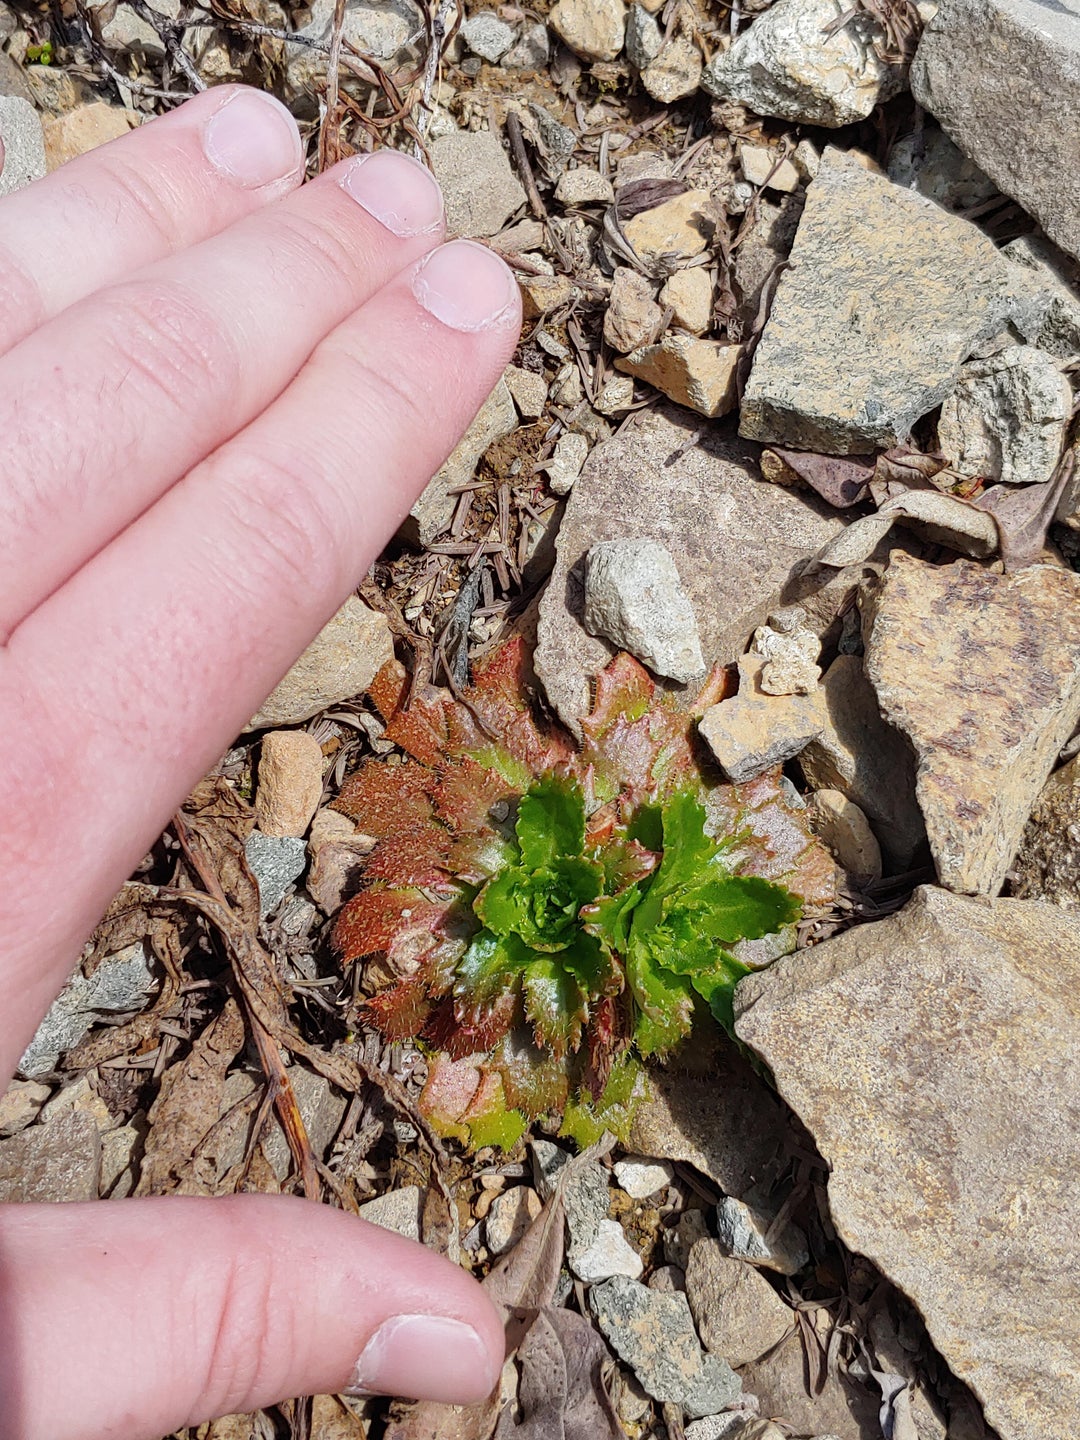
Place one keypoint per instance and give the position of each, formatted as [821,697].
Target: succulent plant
[544,916]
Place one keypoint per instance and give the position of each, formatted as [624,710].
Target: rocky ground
[795,394]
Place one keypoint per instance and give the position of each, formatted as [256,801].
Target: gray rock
[564,467]
[488,36]
[480,189]
[934,1056]
[322,1110]
[397,1210]
[20,1105]
[13,80]
[787,64]
[641,1177]
[929,162]
[643,37]
[668,1279]
[532,51]
[987,707]
[55,1162]
[653,1332]
[390,31]
[23,144]
[886,296]
[1057,279]
[609,1254]
[342,661]
[275,861]
[584,186]
[737,1312]
[676,71]
[122,983]
[635,599]
[510,1216]
[847,1410]
[735,543]
[744,1233]
[1003,78]
[1007,417]
[128,32]
[860,755]
[716,1427]
[435,507]
[585,1197]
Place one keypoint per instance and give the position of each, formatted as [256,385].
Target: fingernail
[397,191]
[424,1357]
[465,286]
[253,139]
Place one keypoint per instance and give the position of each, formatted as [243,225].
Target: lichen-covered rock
[1057,278]
[885,298]
[1007,417]
[1047,864]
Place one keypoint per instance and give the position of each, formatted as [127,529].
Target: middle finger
[109,404]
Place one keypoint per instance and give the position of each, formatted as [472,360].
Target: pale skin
[220,393]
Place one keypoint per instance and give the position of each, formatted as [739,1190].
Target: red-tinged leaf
[534,1083]
[465,794]
[450,1089]
[400,1011]
[499,699]
[462,1032]
[414,720]
[474,859]
[414,857]
[603,1039]
[720,684]
[780,848]
[840,480]
[624,692]
[386,799]
[366,924]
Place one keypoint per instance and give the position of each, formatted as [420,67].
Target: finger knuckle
[251,1331]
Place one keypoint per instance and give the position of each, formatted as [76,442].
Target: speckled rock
[593,29]
[986,707]
[398,1210]
[641,1177]
[584,186]
[675,72]
[275,861]
[738,1313]
[23,144]
[480,189]
[290,782]
[690,294]
[1007,417]
[929,162]
[787,64]
[342,660]
[699,374]
[746,1233]
[59,1161]
[886,296]
[1056,277]
[1047,864]
[635,598]
[644,38]
[1003,77]
[609,1254]
[434,508]
[487,36]
[735,543]
[20,1105]
[935,1058]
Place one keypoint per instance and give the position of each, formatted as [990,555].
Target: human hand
[220,394]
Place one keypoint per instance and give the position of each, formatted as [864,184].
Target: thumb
[131,1319]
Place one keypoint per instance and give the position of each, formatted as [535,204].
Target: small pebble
[510,1216]
[641,1177]
[609,1254]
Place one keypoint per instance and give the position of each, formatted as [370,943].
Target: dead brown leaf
[1024,513]
[562,1392]
[840,480]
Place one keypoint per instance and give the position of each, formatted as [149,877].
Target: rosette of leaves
[544,916]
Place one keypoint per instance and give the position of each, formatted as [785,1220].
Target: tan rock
[675,231]
[737,1312]
[758,160]
[690,295]
[290,782]
[83,129]
[676,71]
[840,1410]
[699,374]
[845,829]
[529,390]
[935,1058]
[867,760]
[593,29]
[20,1105]
[584,186]
[753,731]
[633,317]
[340,662]
[55,1162]
[986,706]
[479,187]
[541,294]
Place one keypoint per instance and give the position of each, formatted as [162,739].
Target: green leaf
[540,906]
[551,822]
[503,1128]
[491,965]
[717,988]
[665,1000]
[556,1004]
[610,917]
[742,907]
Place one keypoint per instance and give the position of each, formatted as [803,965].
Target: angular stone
[757,163]
[734,540]
[435,507]
[20,1105]
[699,374]
[23,144]
[690,295]
[275,861]
[653,1332]
[1047,864]
[342,660]
[532,51]
[1057,278]
[864,758]
[886,296]
[746,1233]
[585,1198]
[593,29]
[641,1177]
[564,467]
[676,71]
[1007,417]
[644,38]
[529,390]
[609,1254]
[987,707]
[290,782]
[632,317]
[510,1216]
[738,1313]
[672,232]
[635,599]
[934,1056]
[793,64]
[754,731]
[584,186]
[398,1210]
[84,129]
[1003,78]
[387,30]
[55,1162]
[845,829]
[480,189]
[487,36]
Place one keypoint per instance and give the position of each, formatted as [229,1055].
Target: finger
[142,668]
[134,1318]
[113,401]
[165,186]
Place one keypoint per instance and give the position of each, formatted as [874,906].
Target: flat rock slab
[735,540]
[935,1058]
[982,673]
[58,1161]
[1003,77]
[886,295]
